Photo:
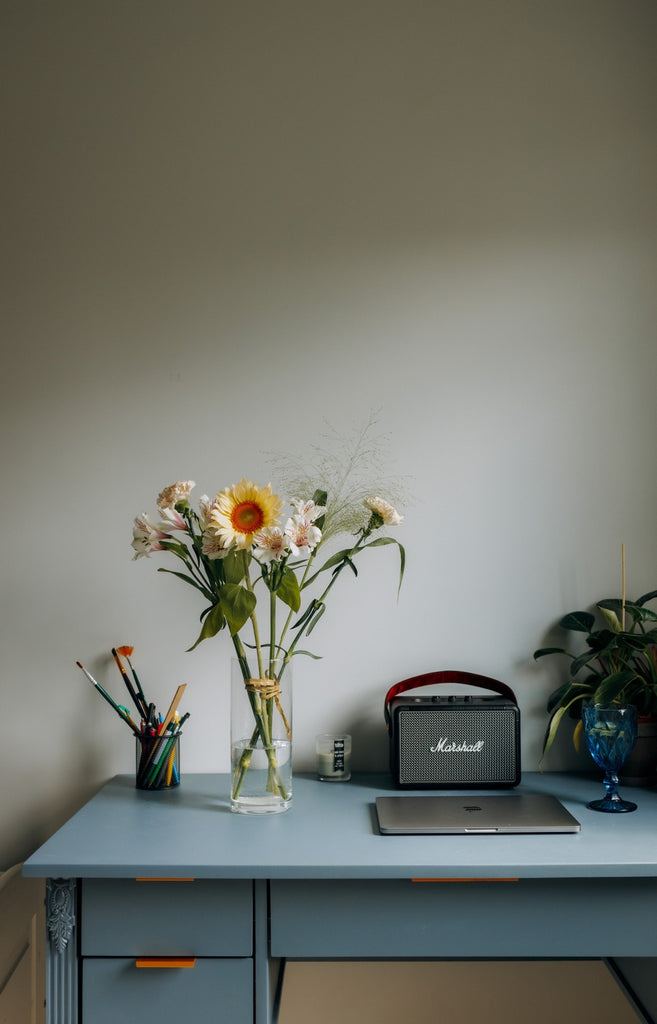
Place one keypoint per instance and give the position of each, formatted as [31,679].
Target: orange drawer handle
[464,879]
[165,961]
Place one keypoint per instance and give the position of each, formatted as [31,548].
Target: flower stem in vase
[257,759]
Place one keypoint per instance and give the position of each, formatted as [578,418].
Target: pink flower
[206,507]
[146,536]
[308,509]
[271,544]
[171,495]
[172,520]
[303,536]
[212,546]
[384,510]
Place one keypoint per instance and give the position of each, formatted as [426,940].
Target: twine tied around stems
[266,690]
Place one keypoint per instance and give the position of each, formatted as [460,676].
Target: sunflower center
[247,517]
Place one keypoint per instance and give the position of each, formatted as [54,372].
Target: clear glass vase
[261,734]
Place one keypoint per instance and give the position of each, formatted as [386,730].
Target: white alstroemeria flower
[171,495]
[212,546]
[206,507]
[270,544]
[384,510]
[146,537]
[172,520]
[303,536]
[308,509]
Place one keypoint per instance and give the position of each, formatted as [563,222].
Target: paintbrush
[125,652]
[103,692]
[142,708]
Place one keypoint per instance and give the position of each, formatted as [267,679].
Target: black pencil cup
[158,761]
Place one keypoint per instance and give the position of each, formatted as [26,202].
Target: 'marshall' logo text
[444,746]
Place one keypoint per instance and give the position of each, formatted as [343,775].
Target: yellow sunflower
[242,510]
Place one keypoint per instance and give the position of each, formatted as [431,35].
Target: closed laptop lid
[474,814]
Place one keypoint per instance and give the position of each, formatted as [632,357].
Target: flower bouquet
[236,551]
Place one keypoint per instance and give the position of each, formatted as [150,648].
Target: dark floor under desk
[498,992]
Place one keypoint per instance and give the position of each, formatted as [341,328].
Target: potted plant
[618,664]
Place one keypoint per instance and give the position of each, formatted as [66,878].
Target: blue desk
[317,882]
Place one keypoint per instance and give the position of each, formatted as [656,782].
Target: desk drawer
[212,991]
[400,918]
[124,917]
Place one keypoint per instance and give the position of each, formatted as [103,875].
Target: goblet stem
[611,785]
[612,801]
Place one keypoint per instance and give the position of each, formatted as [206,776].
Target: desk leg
[61,951]
[267,972]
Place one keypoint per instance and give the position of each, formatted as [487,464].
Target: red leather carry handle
[438,678]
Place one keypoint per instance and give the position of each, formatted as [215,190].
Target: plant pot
[261,736]
[640,769]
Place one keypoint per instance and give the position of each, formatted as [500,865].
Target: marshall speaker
[453,742]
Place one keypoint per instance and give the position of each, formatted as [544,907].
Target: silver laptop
[477,815]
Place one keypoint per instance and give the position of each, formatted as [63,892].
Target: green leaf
[214,568]
[577,735]
[334,560]
[650,596]
[320,498]
[189,579]
[579,622]
[307,615]
[308,654]
[564,694]
[213,622]
[611,687]
[633,611]
[555,721]
[379,542]
[320,608]
[176,548]
[542,651]
[601,639]
[584,659]
[631,642]
[233,566]
[288,590]
[238,604]
[611,617]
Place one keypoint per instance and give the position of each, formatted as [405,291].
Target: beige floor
[567,992]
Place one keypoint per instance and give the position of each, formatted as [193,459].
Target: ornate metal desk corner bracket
[60,911]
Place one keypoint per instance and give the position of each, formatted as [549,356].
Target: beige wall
[22,948]
[225,223]
[499,992]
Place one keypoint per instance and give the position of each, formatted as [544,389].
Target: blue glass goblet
[610,731]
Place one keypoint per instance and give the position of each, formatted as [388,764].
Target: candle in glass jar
[333,757]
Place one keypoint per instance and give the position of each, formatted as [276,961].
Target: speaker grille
[491,730]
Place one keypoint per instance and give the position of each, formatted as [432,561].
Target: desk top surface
[331,831]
